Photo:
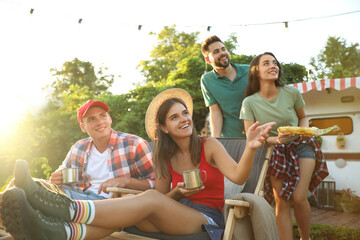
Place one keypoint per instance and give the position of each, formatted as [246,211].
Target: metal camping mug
[192,178]
[70,175]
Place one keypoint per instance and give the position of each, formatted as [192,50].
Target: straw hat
[151,113]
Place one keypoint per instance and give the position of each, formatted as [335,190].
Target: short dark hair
[253,75]
[206,43]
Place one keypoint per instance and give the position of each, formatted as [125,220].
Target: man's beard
[222,65]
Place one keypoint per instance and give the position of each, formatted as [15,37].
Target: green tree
[242,59]
[337,60]
[293,73]
[231,43]
[172,46]
[79,73]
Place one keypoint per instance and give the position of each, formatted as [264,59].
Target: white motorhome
[337,102]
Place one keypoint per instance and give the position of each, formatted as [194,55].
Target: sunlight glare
[12,111]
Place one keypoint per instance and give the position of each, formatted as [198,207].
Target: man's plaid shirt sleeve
[131,157]
[144,163]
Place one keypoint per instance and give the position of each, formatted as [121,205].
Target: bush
[347,201]
[327,232]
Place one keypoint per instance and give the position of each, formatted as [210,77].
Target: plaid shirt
[130,157]
[284,164]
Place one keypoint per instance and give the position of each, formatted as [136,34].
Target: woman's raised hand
[257,135]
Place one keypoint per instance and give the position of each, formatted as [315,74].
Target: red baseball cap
[84,108]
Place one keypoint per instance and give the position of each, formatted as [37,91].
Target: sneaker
[49,202]
[25,223]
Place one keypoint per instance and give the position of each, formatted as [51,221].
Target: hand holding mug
[188,192]
[57,177]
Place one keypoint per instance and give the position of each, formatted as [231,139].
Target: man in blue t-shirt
[223,89]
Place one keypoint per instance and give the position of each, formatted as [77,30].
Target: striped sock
[85,211]
[75,231]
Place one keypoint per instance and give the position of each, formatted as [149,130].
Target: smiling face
[218,55]
[97,123]
[268,68]
[178,122]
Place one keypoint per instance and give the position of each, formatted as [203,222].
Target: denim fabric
[78,194]
[215,232]
[210,220]
[304,151]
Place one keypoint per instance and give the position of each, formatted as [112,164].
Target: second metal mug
[192,178]
[70,175]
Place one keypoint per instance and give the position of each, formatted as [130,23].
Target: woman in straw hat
[32,210]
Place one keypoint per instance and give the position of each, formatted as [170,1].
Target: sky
[108,36]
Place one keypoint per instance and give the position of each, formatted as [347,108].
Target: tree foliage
[171,48]
[293,73]
[337,60]
[242,59]
[79,73]
[231,43]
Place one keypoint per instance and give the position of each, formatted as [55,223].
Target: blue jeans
[78,194]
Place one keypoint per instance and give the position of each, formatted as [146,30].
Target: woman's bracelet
[278,141]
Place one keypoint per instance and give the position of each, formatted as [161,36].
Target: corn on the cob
[297,130]
[312,131]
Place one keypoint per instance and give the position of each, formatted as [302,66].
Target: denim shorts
[215,218]
[305,151]
[78,194]
[210,220]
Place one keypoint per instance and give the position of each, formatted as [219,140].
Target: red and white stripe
[320,85]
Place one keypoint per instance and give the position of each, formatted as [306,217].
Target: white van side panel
[328,103]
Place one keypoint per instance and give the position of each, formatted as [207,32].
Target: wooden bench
[3,234]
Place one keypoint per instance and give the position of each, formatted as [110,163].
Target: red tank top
[213,194]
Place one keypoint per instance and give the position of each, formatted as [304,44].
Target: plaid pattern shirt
[284,164]
[130,157]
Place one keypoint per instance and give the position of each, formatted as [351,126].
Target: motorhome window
[344,123]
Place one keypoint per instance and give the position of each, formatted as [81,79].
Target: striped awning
[319,85]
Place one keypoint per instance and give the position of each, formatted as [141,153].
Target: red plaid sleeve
[131,157]
[284,165]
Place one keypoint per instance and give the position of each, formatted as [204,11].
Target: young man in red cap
[106,158]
